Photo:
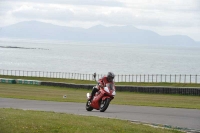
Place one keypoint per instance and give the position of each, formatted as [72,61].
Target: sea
[90,57]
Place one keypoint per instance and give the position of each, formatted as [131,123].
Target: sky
[166,17]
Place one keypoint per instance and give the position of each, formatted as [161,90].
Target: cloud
[153,14]
[74,2]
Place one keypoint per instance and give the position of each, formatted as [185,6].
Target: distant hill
[99,33]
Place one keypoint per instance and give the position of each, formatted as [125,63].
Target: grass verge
[48,93]
[20,121]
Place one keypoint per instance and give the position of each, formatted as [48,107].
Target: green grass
[20,121]
[93,82]
[48,93]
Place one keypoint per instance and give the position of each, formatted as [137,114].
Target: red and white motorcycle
[102,98]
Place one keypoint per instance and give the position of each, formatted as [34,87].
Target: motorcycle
[101,99]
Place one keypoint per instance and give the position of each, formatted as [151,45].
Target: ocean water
[87,58]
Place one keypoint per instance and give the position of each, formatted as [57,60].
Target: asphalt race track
[175,117]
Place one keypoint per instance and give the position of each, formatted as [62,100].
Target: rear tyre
[88,107]
[104,104]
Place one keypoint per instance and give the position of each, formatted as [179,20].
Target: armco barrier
[161,90]
[31,82]
[20,81]
[67,85]
[149,89]
[9,81]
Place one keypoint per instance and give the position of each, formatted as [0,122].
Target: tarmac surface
[188,119]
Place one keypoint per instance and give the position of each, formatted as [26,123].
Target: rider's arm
[100,83]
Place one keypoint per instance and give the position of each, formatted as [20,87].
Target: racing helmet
[110,76]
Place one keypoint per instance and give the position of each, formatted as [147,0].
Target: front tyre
[104,104]
[88,107]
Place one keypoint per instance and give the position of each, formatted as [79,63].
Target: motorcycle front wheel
[88,107]
[104,104]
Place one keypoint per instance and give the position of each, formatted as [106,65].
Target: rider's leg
[94,90]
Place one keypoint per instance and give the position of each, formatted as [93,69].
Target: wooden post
[196,79]
[175,78]
[132,77]
[185,79]
[161,77]
[156,78]
[136,78]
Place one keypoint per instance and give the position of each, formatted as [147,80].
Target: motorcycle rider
[102,83]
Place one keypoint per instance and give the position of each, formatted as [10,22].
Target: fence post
[190,79]
[152,78]
[175,78]
[136,78]
[196,79]
[132,77]
[170,78]
[185,79]
[180,79]
[156,78]
[161,78]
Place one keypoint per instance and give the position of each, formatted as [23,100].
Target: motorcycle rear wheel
[104,104]
[88,107]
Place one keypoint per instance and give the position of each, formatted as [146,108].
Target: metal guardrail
[148,78]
